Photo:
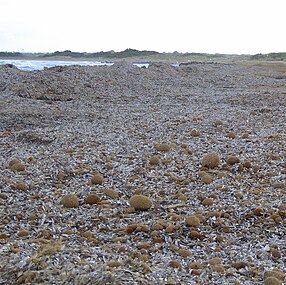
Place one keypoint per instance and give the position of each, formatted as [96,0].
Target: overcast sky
[211,26]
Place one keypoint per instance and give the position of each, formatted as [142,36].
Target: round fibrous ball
[258,211]
[70,201]
[184,252]
[231,135]
[275,253]
[192,221]
[277,273]
[92,199]
[162,147]
[207,179]
[218,268]
[154,160]
[210,160]
[240,264]
[272,281]
[175,264]
[61,176]
[13,161]
[111,193]
[195,133]
[202,173]
[27,277]
[215,261]
[207,201]
[23,233]
[140,202]
[20,185]
[115,263]
[231,160]
[217,123]
[18,167]
[282,210]
[97,179]
[195,265]
[247,164]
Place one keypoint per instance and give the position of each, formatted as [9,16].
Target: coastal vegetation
[102,54]
[144,55]
[279,56]
[4,54]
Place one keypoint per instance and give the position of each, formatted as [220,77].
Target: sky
[208,26]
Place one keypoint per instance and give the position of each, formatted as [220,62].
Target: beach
[127,175]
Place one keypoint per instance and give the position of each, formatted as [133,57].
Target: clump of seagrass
[23,233]
[192,221]
[275,273]
[210,160]
[195,133]
[97,179]
[175,264]
[26,277]
[140,202]
[272,281]
[20,185]
[16,165]
[231,135]
[232,159]
[70,201]
[205,177]
[115,263]
[217,123]
[282,210]
[111,193]
[92,199]
[154,160]
[207,202]
[184,252]
[162,146]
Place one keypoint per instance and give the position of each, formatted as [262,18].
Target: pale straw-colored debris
[106,134]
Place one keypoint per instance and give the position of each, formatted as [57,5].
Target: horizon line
[132,49]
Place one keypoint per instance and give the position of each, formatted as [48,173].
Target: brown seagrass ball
[210,160]
[154,160]
[140,202]
[162,146]
[70,201]
[92,199]
[272,281]
[232,159]
[192,221]
[97,179]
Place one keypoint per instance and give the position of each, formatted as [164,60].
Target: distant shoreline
[164,58]
[136,56]
[132,55]
[50,58]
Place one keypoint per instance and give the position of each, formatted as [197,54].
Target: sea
[30,65]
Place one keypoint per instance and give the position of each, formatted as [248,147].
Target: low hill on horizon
[142,55]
